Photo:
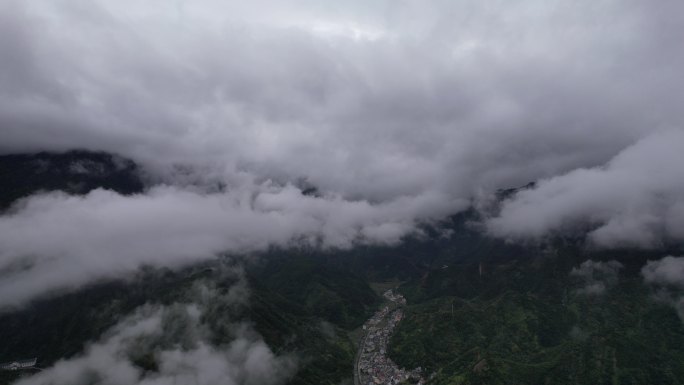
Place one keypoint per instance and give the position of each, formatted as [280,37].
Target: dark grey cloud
[349,101]
[398,111]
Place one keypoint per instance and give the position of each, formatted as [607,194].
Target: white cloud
[666,271]
[667,275]
[633,200]
[534,89]
[173,339]
[54,242]
[596,276]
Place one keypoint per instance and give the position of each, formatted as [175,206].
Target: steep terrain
[480,310]
[297,302]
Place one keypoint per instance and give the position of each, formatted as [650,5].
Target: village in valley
[374,367]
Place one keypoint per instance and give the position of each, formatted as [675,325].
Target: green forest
[480,311]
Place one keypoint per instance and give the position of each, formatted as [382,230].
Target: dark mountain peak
[74,172]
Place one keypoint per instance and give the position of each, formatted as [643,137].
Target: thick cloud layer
[370,99]
[397,111]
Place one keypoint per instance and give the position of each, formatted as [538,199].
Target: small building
[18,365]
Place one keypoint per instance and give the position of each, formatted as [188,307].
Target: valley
[372,365]
[464,309]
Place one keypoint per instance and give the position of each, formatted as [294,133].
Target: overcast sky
[398,111]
